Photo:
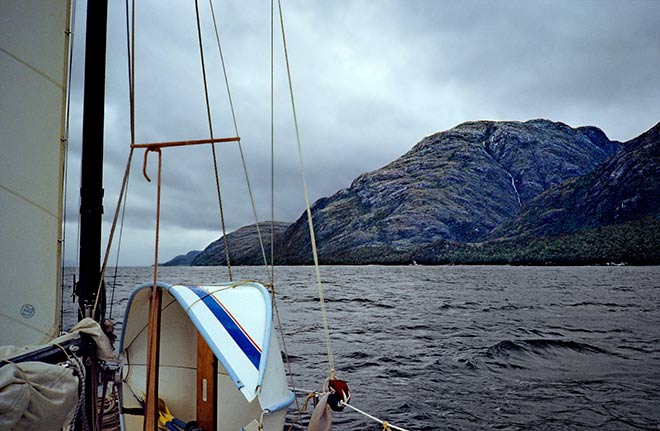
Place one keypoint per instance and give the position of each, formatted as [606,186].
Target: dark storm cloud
[371,78]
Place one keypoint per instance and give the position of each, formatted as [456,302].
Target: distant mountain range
[485,192]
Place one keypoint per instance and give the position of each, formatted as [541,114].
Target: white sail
[34,49]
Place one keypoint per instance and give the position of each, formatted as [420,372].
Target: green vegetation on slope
[635,243]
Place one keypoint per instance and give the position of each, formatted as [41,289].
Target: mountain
[624,188]
[182,259]
[243,244]
[537,192]
[456,185]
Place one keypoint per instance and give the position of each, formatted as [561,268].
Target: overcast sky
[370,78]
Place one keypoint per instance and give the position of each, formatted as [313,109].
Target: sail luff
[64,143]
[34,51]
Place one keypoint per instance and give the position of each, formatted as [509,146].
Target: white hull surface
[235,320]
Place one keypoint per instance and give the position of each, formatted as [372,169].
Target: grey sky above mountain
[371,78]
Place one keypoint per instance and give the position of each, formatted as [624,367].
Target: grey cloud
[370,78]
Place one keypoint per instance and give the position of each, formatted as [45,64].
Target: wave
[599,304]
[407,328]
[511,307]
[538,332]
[541,346]
[463,306]
[290,358]
[591,330]
[359,300]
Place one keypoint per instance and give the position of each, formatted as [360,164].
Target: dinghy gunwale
[284,404]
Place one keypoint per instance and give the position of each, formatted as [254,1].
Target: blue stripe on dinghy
[237,333]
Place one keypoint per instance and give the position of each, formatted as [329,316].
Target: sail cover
[34,48]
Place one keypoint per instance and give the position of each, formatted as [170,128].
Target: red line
[236,322]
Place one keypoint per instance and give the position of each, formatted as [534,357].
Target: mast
[91,191]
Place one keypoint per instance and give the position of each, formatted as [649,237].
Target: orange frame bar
[185,143]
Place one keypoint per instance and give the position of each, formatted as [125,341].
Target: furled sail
[34,49]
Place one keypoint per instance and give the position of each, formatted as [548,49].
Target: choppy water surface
[465,347]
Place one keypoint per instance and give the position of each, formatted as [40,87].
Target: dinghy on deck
[235,321]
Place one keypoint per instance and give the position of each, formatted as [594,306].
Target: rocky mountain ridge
[479,181]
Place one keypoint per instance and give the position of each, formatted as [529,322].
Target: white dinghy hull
[235,320]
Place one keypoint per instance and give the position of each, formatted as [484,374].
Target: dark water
[464,347]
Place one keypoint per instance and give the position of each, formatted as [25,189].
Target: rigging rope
[240,146]
[269,274]
[386,425]
[272,140]
[130,45]
[311,394]
[77,265]
[121,235]
[215,161]
[112,230]
[307,204]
